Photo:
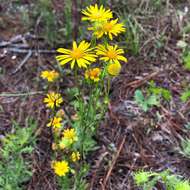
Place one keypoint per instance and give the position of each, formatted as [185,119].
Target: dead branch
[113,162]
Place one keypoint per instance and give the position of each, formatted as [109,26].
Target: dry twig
[113,162]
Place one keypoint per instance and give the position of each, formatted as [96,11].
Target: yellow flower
[114,69]
[112,54]
[75,156]
[70,135]
[60,167]
[93,74]
[53,100]
[82,54]
[109,28]
[50,75]
[93,13]
[55,122]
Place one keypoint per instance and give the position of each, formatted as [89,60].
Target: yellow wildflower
[94,13]
[50,75]
[55,122]
[112,54]
[75,156]
[109,28]
[53,100]
[114,69]
[82,54]
[70,135]
[60,167]
[93,74]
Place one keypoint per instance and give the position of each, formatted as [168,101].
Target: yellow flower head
[109,28]
[114,69]
[70,135]
[75,156]
[82,54]
[60,167]
[50,75]
[55,122]
[94,13]
[111,54]
[93,74]
[53,100]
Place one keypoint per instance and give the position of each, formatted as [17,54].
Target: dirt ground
[128,138]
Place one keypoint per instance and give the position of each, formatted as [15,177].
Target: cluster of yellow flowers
[82,55]
[51,76]
[68,136]
[64,137]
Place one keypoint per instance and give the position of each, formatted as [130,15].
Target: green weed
[45,15]
[67,29]
[159,91]
[185,148]
[132,36]
[146,102]
[148,180]
[15,168]
[186,60]
[185,96]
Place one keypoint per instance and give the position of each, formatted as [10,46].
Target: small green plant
[185,52]
[146,102]
[132,37]
[185,148]
[159,91]
[185,96]
[148,180]
[186,60]
[14,167]
[47,17]
[67,29]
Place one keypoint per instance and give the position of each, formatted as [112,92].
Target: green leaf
[185,95]
[183,185]
[152,100]
[145,104]
[139,96]
[186,60]
[159,91]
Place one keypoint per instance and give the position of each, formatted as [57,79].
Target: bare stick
[23,62]
[20,94]
[113,162]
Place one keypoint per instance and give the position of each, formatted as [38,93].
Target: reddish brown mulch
[131,140]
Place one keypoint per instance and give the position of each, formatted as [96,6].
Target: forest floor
[128,139]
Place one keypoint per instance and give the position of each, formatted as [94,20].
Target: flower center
[107,27]
[94,73]
[97,15]
[76,54]
[111,54]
